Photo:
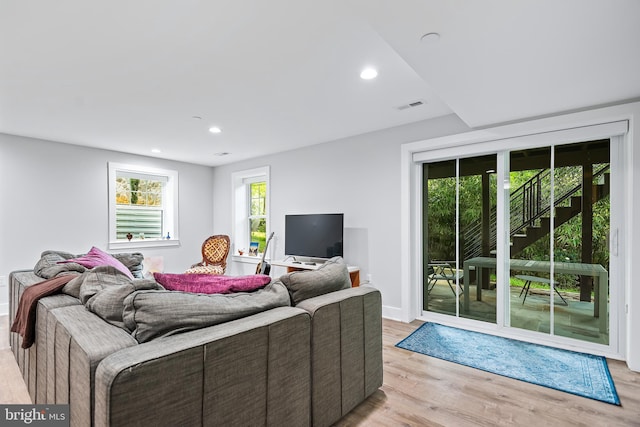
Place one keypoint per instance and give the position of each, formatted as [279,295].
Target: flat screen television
[314,235]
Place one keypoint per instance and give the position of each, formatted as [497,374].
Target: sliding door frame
[500,141]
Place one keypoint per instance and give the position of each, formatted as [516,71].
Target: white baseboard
[393,313]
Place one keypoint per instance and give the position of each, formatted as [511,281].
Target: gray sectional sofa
[306,362]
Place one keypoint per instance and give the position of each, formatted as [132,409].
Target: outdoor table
[601,282]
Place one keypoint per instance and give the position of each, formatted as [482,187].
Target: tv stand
[354,272]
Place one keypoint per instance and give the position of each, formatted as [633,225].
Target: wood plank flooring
[12,387]
[420,390]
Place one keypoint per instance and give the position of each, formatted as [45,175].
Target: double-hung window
[257,189]
[142,206]
[251,210]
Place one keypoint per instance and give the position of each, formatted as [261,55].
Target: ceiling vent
[411,105]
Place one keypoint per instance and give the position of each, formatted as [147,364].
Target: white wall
[359,176]
[54,196]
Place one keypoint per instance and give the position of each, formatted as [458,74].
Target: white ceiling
[280,74]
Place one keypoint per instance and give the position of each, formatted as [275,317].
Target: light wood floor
[12,388]
[423,391]
[419,390]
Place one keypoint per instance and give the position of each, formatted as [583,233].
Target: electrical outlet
[3,281]
[369,278]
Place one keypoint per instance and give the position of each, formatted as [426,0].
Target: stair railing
[528,203]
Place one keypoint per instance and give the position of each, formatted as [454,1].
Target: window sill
[247,259]
[148,243]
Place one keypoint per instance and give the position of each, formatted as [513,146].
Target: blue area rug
[577,373]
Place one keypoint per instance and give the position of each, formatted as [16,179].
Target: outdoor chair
[527,285]
[444,271]
[214,256]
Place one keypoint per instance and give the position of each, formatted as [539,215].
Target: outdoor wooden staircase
[530,215]
[530,234]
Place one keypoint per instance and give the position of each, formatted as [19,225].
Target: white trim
[393,313]
[170,202]
[409,185]
[502,232]
[246,259]
[617,266]
[498,138]
[605,123]
[147,243]
[239,208]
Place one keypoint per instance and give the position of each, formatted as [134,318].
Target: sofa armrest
[346,350]
[32,361]
[253,370]
[81,341]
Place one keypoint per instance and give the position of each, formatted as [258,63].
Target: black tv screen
[314,235]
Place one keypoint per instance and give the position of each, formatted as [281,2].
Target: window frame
[241,193]
[250,217]
[501,140]
[170,205]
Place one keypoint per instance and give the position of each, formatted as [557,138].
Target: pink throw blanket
[211,284]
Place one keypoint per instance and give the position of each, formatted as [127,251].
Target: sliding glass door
[459,224]
[559,252]
[547,271]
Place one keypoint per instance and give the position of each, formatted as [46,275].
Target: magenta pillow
[211,283]
[95,258]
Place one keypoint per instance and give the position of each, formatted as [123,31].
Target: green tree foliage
[135,183]
[441,218]
[258,223]
[440,213]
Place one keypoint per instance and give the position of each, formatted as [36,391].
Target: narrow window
[258,213]
[251,211]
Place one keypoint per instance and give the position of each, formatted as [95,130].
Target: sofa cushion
[346,350]
[82,340]
[211,284]
[104,289]
[96,258]
[333,275]
[49,266]
[133,261]
[152,314]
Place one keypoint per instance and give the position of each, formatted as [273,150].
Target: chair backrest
[215,250]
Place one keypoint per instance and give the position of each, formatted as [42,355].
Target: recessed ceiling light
[222,153]
[368,74]
[156,150]
[215,129]
[430,38]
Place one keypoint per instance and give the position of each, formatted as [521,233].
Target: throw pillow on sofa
[95,257]
[49,265]
[331,276]
[211,284]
